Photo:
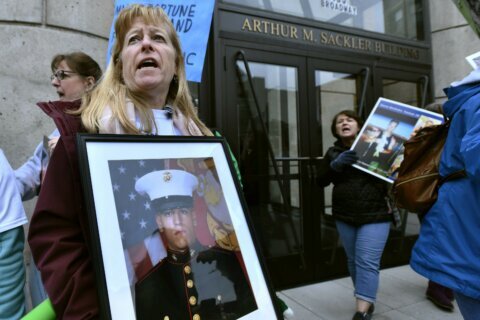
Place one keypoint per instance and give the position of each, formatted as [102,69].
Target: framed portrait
[171,237]
[379,144]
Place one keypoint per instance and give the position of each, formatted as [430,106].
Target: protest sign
[191,19]
[379,144]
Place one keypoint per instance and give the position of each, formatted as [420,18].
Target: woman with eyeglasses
[73,74]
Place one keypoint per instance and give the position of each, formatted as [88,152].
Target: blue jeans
[469,307]
[12,274]
[364,247]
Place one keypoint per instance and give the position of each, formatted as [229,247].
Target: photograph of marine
[193,281]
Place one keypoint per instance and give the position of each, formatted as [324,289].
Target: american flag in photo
[135,216]
[141,241]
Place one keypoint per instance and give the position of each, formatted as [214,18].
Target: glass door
[411,88]
[334,87]
[267,95]
[277,120]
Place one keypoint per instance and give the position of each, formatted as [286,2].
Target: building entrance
[276,114]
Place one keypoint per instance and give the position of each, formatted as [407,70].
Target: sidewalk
[401,296]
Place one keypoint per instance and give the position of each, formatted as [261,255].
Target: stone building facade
[452,40]
[33,31]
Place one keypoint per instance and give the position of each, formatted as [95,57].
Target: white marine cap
[168,189]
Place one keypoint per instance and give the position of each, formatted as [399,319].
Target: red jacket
[59,229]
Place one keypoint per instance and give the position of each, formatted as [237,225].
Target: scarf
[108,124]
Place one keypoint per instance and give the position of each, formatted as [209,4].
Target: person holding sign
[193,281]
[144,91]
[360,211]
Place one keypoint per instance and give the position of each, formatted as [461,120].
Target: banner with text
[191,19]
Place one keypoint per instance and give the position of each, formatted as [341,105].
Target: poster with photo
[379,144]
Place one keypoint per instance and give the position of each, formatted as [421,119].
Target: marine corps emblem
[167,176]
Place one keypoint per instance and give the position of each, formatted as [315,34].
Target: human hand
[344,159]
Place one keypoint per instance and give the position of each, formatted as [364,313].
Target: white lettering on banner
[340,6]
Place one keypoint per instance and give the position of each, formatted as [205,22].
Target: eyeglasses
[61,74]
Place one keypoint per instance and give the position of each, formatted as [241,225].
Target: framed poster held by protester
[379,144]
[171,237]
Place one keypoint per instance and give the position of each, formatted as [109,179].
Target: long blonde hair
[111,91]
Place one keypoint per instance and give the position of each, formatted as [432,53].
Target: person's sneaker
[438,296]
[362,316]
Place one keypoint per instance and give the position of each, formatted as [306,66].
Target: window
[400,18]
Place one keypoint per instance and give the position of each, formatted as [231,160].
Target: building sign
[191,19]
[340,6]
[324,38]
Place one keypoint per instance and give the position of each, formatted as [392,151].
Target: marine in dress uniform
[192,282]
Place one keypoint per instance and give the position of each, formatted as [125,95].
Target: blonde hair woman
[145,72]
[143,91]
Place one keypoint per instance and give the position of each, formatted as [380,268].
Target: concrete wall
[31,33]
[452,40]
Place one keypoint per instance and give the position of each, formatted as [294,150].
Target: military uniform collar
[181,257]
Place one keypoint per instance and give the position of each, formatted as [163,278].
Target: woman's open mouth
[147,63]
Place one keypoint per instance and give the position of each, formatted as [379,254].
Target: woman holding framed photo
[144,91]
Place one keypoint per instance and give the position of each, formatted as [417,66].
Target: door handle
[361,103]
[314,171]
[309,171]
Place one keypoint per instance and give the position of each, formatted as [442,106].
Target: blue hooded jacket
[448,248]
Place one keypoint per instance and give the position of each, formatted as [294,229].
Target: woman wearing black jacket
[360,211]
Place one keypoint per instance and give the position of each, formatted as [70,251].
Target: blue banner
[191,19]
